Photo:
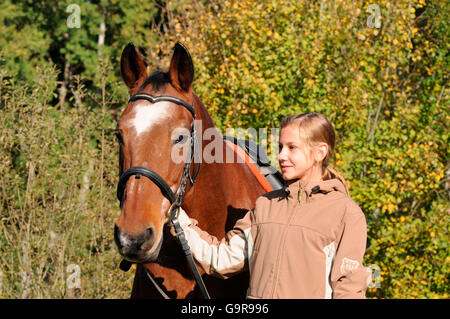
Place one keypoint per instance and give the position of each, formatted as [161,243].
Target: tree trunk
[64,84]
[101,35]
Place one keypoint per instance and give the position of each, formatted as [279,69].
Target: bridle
[175,198]
[138,171]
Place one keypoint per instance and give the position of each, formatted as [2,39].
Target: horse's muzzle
[137,248]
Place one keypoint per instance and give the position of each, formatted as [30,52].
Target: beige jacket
[302,243]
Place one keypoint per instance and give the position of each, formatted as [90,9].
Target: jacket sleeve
[349,278]
[222,258]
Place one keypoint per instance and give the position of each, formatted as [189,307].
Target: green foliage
[385,90]
[412,253]
[22,45]
[58,175]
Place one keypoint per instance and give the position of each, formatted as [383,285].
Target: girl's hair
[315,128]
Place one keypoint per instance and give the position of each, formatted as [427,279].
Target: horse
[221,194]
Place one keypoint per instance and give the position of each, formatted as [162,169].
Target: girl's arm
[222,258]
[349,278]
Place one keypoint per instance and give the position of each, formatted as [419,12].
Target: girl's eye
[290,147]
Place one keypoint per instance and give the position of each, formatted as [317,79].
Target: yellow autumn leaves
[259,61]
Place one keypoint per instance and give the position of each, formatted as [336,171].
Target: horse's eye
[181,139]
[119,137]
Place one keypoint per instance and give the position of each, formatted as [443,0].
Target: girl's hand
[183,219]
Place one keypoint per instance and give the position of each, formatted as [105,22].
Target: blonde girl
[304,241]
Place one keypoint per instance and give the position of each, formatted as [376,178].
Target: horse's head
[154,134]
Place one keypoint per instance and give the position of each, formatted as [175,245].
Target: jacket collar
[302,190]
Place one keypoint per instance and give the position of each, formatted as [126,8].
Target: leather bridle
[138,171]
[175,198]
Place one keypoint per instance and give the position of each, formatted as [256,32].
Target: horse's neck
[227,175]
[222,189]
[202,113]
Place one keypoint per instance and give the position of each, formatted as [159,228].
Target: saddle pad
[267,176]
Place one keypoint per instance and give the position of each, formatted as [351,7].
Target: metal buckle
[171,215]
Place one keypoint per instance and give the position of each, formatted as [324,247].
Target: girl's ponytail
[330,173]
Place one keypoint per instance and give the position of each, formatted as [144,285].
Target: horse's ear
[181,68]
[132,66]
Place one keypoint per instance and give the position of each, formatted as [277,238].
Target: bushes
[56,196]
[385,90]
[412,253]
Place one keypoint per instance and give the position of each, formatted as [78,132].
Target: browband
[160,98]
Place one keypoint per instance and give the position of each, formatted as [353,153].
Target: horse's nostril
[134,247]
[149,237]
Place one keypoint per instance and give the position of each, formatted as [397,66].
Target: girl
[304,241]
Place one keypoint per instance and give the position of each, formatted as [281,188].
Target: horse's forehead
[145,115]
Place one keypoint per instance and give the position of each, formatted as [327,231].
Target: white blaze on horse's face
[146,115]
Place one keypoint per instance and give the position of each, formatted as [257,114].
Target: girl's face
[294,157]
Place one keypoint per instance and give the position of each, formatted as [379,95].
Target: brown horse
[222,193]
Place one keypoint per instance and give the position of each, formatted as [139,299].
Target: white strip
[249,249]
[146,115]
[220,257]
[330,253]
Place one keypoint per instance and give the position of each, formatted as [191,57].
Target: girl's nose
[282,155]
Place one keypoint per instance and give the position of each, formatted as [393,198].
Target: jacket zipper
[283,240]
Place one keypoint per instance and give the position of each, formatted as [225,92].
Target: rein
[175,199]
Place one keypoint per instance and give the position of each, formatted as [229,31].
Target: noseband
[175,198]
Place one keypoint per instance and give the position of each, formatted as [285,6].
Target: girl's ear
[320,152]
